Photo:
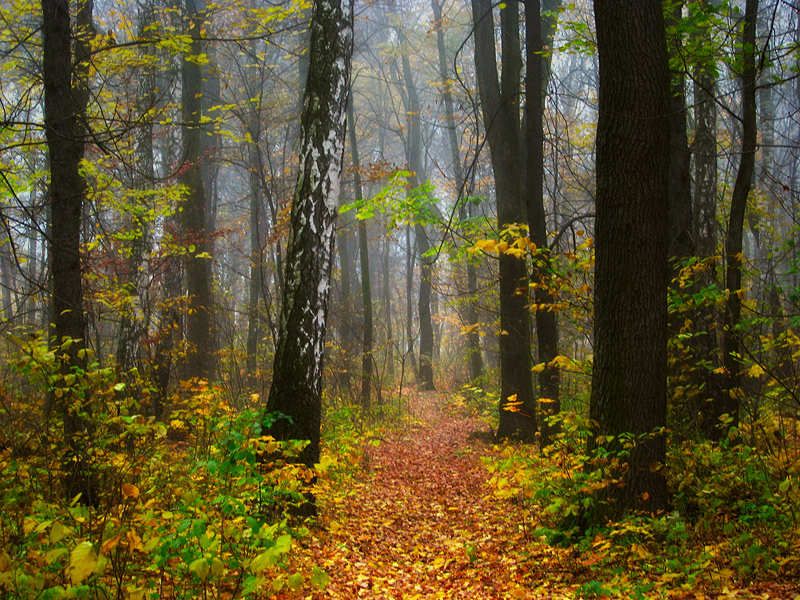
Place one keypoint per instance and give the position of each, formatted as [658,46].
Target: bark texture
[727,402]
[546,322]
[501,111]
[296,391]
[200,359]
[630,361]
[65,142]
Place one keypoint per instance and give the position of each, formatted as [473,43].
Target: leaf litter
[421,522]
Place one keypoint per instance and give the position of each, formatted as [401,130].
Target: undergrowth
[185,508]
[733,520]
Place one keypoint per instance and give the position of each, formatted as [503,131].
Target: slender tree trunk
[474,353]
[500,107]
[200,359]
[630,317]
[728,401]
[704,228]
[256,280]
[363,254]
[132,325]
[414,150]
[296,391]
[546,321]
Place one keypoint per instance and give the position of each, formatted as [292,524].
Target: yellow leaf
[538,368]
[755,371]
[82,562]
[109,545]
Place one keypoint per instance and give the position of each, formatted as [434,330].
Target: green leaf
[295,581]
[319,578]
[200,567]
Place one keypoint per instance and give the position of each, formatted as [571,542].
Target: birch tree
[295,396]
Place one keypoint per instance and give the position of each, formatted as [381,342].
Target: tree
[363,256]
[728,401]
[295,396]
[546,322]
[63,106]
[500,107]
[200,362]
[628,395]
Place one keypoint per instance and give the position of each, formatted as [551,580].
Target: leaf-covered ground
[421,522]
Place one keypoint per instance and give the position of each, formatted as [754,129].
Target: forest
[399,299]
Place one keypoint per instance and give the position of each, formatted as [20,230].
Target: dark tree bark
[681,244]
[500,107]
[704,227]
[63,106]
[630,317]
[200,359]
[132,322]
[257,278]
[296,390]
[474,352]
[546,322]
[727,402]
[414,156]
[366,283]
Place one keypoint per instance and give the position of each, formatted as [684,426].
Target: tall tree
[728,401]
[501,117]
[475,355]
[63,107]
[414,157]
[704,233]
[363,255]
[546,322]
[200,360]
[296,391]
[630,317]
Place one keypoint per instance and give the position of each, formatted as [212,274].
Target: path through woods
[422,523]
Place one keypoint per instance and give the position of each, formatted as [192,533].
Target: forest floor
[421,522]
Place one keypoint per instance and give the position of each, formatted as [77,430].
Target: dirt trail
[420,525]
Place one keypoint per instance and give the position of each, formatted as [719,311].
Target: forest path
[421,523]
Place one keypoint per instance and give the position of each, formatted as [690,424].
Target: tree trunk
[474,354]
[363,255]
[132,323]
[414,155]
[727,402]
[546,322]
[630,316]
[500,107]
[296,391]
[63,107]
[200,359]
[704,228]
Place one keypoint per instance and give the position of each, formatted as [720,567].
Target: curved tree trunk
[727,403]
